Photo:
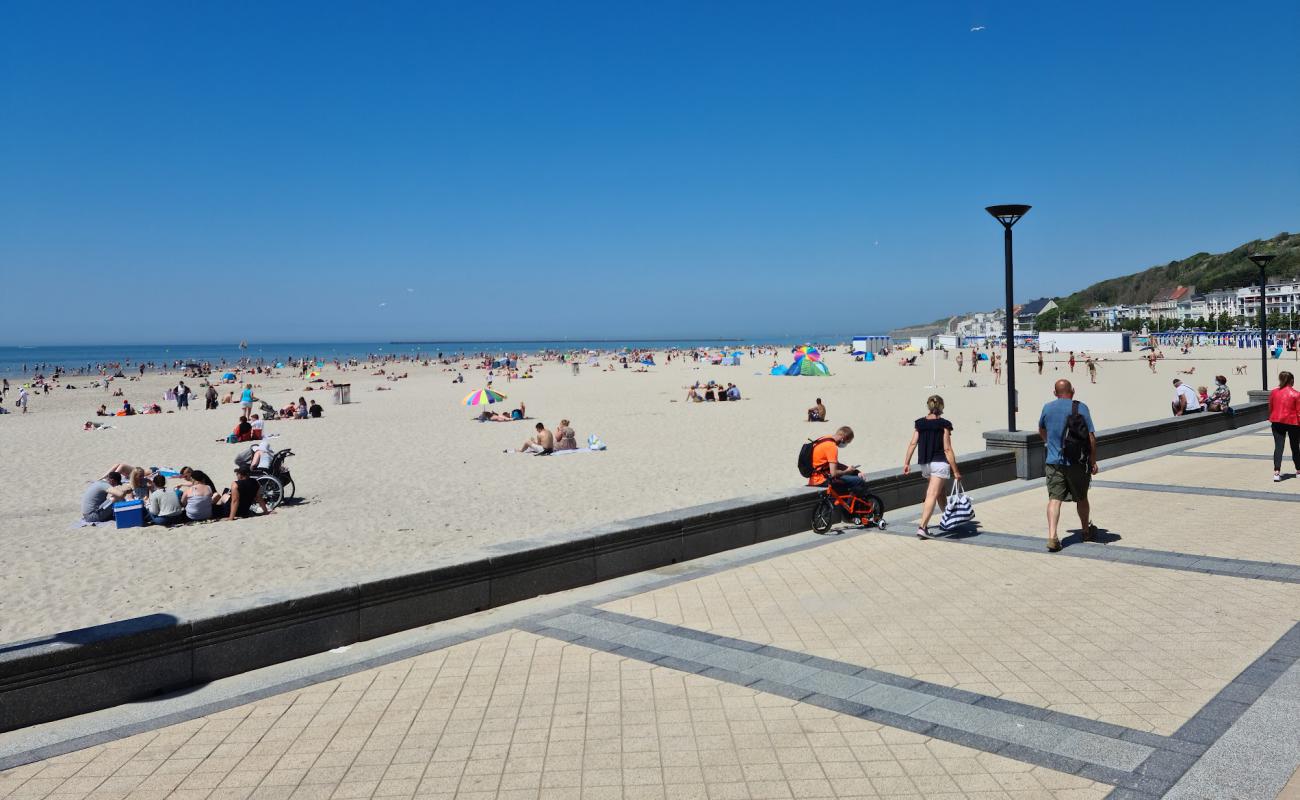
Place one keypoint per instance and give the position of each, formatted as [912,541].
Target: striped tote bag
[959,510]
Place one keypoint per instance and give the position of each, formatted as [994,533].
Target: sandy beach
[401,479]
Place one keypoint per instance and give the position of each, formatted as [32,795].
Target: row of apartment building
[1183,304]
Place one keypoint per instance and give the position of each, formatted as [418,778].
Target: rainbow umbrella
[807,351]
[480,396]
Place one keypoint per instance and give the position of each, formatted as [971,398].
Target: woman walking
[1284,418]
[932,442]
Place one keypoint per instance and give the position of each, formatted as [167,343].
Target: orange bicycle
[861,510]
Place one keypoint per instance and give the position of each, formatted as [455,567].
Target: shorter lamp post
[1009,215]
[1261,260]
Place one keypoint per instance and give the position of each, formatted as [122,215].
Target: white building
[1282,297]
[1222,301]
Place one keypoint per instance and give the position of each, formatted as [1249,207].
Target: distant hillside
[1204,271]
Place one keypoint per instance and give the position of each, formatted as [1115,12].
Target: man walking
[1066,427]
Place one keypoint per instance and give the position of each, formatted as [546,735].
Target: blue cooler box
[129,514]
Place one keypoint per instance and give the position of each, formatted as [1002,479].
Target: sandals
[1090,535]
[1053,545]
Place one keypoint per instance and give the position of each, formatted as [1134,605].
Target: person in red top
[1284,418]
[827,467]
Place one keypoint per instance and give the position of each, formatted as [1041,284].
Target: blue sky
[272,171]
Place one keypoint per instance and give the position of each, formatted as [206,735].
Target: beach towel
[81,523]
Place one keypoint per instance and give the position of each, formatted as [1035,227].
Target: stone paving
[1161,662]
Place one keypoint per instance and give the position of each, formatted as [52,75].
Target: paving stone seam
[860,710]
[1247,456]
[1242,494]
[1274,571]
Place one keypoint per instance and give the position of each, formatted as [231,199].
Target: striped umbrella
[480,396]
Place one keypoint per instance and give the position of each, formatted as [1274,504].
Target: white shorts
[938,469]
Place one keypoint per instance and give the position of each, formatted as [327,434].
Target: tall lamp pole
[1009,215]
[1261,260]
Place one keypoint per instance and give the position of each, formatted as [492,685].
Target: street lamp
[1009,215]
[1261,260]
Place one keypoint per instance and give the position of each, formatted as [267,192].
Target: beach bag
[959,509]
[594,443]
[1074,438]
[806,456]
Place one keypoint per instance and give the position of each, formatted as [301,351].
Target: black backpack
[806,455]
[1074,439]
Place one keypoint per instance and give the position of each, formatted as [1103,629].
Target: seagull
[977,28]
[410,290]
[381,305]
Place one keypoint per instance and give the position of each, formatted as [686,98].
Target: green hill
[1205,271]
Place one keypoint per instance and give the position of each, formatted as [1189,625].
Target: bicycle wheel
[876,514]
[823,516]
[272,491]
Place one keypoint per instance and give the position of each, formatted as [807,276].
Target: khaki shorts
[1068,484]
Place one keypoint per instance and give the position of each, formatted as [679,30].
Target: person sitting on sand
[314,410]
[244,494]
[733,392]
[302,408]
[243,430]
[163,505]
[542,444]
[818,412]
[103,411]
[198,496]
[709,397]
[693,396]
[97,501]
[565,438]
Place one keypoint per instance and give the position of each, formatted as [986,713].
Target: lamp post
[1009,215]
[1261,260]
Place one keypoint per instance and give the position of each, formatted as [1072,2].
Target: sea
[25,361]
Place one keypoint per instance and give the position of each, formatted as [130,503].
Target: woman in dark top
[932,443]
[243,494]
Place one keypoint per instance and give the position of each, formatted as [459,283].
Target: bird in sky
[976,28]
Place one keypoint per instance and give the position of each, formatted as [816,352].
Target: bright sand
[401,480]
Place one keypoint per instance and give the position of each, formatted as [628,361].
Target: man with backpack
[1067,430]
[819,462]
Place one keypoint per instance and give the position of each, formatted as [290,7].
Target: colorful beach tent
[807,361]
[480,396]
[229,376]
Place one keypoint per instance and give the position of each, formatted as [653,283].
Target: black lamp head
[1008,215]
[1261,259]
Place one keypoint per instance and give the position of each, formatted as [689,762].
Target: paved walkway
[867,664]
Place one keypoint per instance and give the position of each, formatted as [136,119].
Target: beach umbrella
[229,376]
[480,396]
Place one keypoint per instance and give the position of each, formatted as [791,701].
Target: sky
[193,172]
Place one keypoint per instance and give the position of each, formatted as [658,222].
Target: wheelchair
[275,483]
[860,510]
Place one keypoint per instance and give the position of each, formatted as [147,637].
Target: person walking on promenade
[1284,419]
[996,363]
[932,434]
[1071,362]
[1067,430]
[1040,362]
[960,353]
[1092,370]
[974,360]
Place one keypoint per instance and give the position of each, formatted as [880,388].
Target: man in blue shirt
[1067,480]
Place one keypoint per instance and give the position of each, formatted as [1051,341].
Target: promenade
[1159,661]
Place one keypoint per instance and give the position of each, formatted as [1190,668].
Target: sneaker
[923,533]
[1277,477]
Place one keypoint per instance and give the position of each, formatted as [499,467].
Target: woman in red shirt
[1284,417]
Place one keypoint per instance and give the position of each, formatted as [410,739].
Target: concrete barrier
[80,671]
[1030,451]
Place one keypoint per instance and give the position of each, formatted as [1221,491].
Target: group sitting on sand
[543,443]
[710,392]
[194,497]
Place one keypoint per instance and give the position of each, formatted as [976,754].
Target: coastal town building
[1026,315]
